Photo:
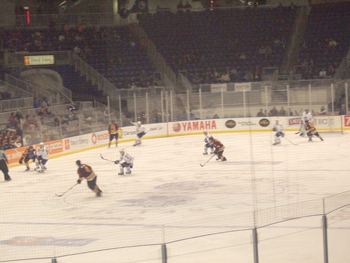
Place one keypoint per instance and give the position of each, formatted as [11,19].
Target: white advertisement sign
[218,87]
[39,60]
[243,86]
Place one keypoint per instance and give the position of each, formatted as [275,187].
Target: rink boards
[57,148]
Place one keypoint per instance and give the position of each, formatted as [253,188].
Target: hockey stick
[207,161]
[105,159]
[59,195]
[290,141]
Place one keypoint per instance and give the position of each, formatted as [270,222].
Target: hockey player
[207,143]
[86,172]
[42,158]
[307,116]
[125,161]
[140,132]
[113,133]
[3,165]
[278,128]
[311,130]
[219,149]
[28,154]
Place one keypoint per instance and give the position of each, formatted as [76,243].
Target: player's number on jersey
[87,169]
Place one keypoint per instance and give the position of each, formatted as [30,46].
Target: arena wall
[326,123]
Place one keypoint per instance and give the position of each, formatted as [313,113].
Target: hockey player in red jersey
[86,172]
[113,133]
[219,149]
[29,154]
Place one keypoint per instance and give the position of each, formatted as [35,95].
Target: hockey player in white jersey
[208,144]
[140,132]
[125,161]
[278,128]
[42,158]
[307,116]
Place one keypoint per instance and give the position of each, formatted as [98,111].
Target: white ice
[170,197]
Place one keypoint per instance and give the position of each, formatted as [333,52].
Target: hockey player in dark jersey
[311,130]
[113,133]
[28,154]
[86,172]
[219,149]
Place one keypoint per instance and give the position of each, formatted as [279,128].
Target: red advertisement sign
[347,121]
[194,126]
[294,121]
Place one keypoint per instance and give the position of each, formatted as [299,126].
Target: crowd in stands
[326,41]
[211,47]
[114,52]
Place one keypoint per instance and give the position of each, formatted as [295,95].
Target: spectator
[18,115]
[192,115]
[290,112]
[45,103]
[216,116]
[342,110]
[12,119]
[323,111]
[73,108]
[273,112]
[180,6]
[282,112]
[36,103]
[41,112]
[260,113]
[323,73]
[182,116]
[332,43]
[187,6]
[156,117]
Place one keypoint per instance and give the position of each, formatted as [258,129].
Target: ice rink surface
[170,197]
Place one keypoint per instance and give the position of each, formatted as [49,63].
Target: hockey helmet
[78,162]
[139,123]
[121,151]
[205,131]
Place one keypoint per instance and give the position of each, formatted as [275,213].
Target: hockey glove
[131,165]
[116,162]
[21,161]
[216,152]
[78,181]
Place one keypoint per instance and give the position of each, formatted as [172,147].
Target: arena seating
[326,23]
[204,42]
[113,52]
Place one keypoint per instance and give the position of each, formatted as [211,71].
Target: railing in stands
[96,78]
[22,98]
[37,92]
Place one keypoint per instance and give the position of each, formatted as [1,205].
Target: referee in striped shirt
[3,165]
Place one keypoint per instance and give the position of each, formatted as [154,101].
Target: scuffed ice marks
[166,200]
[187,186]
[160,201]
